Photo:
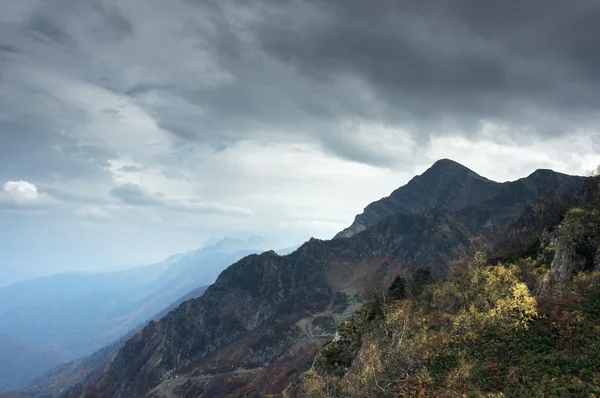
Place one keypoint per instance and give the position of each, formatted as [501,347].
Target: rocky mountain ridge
[452,186]
[522,324]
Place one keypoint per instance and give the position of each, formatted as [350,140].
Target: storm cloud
[192,118]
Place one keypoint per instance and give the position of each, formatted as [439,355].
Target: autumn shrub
[419,341]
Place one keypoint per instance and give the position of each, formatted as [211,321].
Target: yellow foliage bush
[473,298]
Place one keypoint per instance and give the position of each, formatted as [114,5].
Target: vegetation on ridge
[490,328]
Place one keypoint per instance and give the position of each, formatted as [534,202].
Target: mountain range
[260,324]
[65,317]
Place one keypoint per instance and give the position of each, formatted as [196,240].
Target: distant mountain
[75,315]
[18,362]
[59,380]
[69,286]
[259,324]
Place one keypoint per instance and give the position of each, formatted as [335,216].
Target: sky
[132,130]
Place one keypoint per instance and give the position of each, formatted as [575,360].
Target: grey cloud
[7,48]
[211,208]
[113,112]
[68,196]
[105,21]
[114,26]
[436,67]
[146,88]
[305,66]
[42,25]
[357,151]
[130,169]
[182,130]
[33,208]
[134,195]
[439,57]
[33,150]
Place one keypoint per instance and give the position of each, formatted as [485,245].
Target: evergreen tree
[397,289]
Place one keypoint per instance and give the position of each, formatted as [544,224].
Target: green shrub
[397,289]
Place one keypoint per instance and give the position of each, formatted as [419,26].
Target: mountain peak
[544,173]
[445,162]
[448,167]
[446,183]
[229,243]
[450,185]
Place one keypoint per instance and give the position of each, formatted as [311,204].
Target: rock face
[454,187]
[245,327]
[566,262]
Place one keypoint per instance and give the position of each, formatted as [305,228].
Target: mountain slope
[256,325]
[270,293]
[20,363]
[520,327]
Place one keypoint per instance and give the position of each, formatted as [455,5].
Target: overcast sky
[131,130]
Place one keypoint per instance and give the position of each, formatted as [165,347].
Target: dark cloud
[7,48]
[130,169]
[34,150]
[303,68]
[116,113]
[235,108]
[132,194]
[443,58]
[114,25]
[433,67]
[70,197]
[44,28]
[147,88]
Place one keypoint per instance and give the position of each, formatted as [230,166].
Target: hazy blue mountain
[77,314]
[67,376]
[19,361]
[68,286]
